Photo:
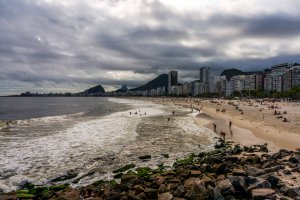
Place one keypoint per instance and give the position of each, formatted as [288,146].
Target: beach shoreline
[247,128]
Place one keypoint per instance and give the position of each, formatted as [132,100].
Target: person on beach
[173,112]
[215,127]
[230,123]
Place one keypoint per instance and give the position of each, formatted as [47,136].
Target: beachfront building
[172,80]
[259,81]
[250,82]
[287,80]
[277,73]
[161,91]
[204,74]
[215,84]
[268,86]
[237,83]
[295,75]
[228,91]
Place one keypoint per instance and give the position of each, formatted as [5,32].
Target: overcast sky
[70,45]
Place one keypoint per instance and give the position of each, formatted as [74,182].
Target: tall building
[172,80]
[204,73]
[268,80]
[295,73]
[250,82]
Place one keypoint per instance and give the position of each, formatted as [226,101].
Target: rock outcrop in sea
[228,172]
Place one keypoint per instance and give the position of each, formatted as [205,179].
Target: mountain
[123,89]
[160,81]
[95,90]
[229,73]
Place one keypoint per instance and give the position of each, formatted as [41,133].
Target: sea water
[48,137]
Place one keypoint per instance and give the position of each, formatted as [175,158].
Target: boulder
[180,191]
[238,172]
[263,193]
[293,192]
[253,171]
[273,180]
[261,183]
[224,188]
[165,196]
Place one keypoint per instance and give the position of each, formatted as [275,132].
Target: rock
[195,173]
[239,183]
[261,183]
[69,175]
[145,157]
[127,178]
[180,191]
[273,180]
[208,181]
[253,159]
[26,185]
[220,168]
[138,189]
[262,194]
[294,160]
[69,194]
[151,193]
[133,197]
[284,152]
[165,196]
[293,192]
[189,184]
[162,188]
[253,171]
[263,148]
[165,155]
[273,169]
[224,188]
[286,172]
[141,195]
[238,172]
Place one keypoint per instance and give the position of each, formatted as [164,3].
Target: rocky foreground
[229,172]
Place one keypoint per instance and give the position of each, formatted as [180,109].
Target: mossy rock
[57,188]
[69,175]
[144,171]
[186,161]
[123,169]
[145,157]
[165,155]
[25,196]
[119,175]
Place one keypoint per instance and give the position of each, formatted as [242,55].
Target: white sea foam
[40,158]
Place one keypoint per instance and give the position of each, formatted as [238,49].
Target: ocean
[90,137]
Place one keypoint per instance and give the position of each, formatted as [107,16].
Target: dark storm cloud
[75,44]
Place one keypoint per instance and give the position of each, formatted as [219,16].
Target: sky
[71,45]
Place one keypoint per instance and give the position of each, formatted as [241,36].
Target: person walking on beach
[215,127]
[230,123]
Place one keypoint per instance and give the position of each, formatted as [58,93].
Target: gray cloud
[46,45]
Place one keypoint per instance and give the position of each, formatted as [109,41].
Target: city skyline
[67,46]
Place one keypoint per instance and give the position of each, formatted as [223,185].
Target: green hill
[160,81]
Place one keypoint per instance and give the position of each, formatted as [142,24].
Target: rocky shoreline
[228,172]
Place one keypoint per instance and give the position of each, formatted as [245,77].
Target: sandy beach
[253,122]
